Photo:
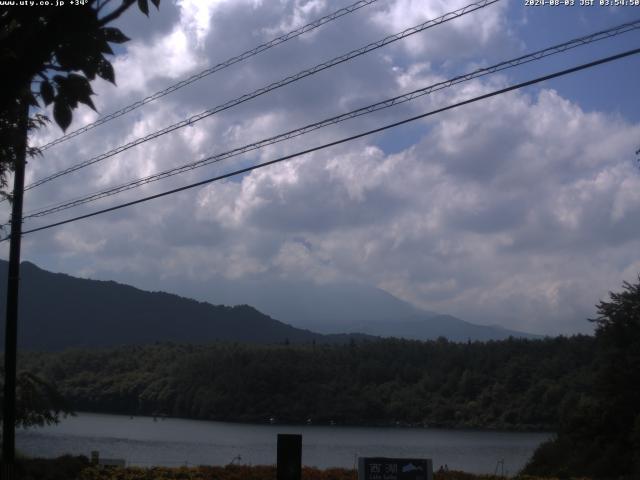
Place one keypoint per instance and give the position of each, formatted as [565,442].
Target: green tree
[600,434]
[49,56]
[39,403]
[617,382]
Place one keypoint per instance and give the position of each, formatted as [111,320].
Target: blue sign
[381,468]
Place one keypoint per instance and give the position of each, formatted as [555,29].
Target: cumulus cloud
[520,210]
[466,36]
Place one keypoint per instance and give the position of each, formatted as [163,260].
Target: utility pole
[13,284]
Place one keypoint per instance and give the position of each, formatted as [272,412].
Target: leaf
[105,70]
[87,101]
[90,67]
[79,84]
[36,121]
[156,3]
[78,88]
[72,102]
[114,35]
[144,7]
[62,113]
[65,92]
[69,56]
[31,100]
[46,91]
[105,48]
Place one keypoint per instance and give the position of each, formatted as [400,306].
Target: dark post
[11,331]
[289,457]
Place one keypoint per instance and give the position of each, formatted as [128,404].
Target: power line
[343,140]
[261,91]
[290,79]
[576,42]
[220,66]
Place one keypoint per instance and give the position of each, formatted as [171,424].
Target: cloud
[468,36]
[471,219]
[519,210]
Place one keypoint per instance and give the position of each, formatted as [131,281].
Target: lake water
[170,442]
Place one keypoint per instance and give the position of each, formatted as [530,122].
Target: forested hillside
[513,384]
[58,311]
[92,313]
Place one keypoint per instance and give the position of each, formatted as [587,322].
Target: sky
[521,210]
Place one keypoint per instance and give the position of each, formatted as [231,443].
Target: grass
[79,468]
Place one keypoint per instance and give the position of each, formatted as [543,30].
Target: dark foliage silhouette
[49,56]
[511,384]
[600,435]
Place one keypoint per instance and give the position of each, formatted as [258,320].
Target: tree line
[511,384]
[600,435]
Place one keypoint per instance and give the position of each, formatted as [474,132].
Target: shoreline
[389,425]
[80,468]
[170,442]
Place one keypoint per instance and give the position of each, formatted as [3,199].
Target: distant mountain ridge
[347,307]
[429,326]
[59,311]
[339,307]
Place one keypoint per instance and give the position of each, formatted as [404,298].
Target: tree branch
[50,66]
[101,4]
[116,13]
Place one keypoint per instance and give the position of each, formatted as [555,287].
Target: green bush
[61,468]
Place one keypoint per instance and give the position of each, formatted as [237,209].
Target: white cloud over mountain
[520,210]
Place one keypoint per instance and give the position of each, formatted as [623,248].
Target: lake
[144,441]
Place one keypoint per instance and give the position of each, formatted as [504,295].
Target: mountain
[428,326]
[358,308]
[59,311]
[344,307]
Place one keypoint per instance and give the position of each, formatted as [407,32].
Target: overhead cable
[341,141]
[261,91]
[576,42]
[220,66]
